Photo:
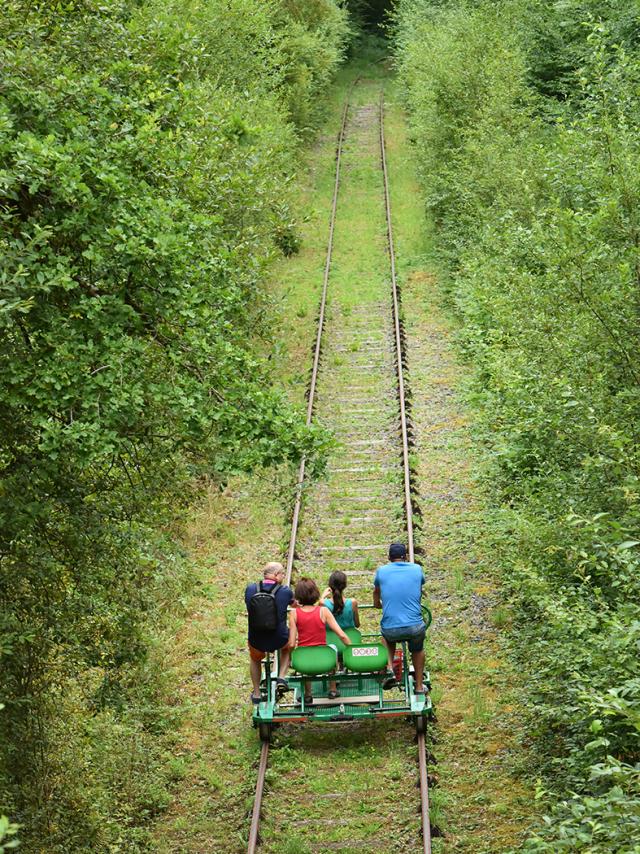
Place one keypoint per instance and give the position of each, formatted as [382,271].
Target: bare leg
[391,650]
[255,669]
[418,663]
[285,657]
[307,688]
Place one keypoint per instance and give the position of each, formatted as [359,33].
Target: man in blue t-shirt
[261,642]
[397,589]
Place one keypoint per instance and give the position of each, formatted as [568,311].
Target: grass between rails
[480,803]
[336,783]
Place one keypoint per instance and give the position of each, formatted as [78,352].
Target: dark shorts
[259,654]
[414,635]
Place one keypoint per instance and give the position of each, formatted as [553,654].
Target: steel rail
[424,793]
[257,803]
[422,757]
[318,346]
[396,323]
[264,755]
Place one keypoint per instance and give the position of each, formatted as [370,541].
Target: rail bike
[359,672]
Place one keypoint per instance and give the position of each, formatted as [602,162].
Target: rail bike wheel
[265,730]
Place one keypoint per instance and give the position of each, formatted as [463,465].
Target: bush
[144,148]
[536,202]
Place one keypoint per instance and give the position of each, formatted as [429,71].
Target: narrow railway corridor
[352,787]
[348,520]
[352,515]
[298,297]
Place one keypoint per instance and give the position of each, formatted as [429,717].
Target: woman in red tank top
[308,623]
[312,630]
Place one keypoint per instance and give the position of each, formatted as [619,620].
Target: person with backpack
[267,602]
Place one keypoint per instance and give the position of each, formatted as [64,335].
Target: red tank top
[311,630]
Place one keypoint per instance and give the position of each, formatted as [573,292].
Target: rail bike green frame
[358,671]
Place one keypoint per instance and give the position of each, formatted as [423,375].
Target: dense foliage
[527,124]
[145,150]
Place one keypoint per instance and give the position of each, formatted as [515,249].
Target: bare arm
[377,601]
[356,613]
[293,630]
[330,620]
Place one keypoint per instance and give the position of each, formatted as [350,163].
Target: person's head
[337,583]
[397,551]
[307,592]
[274,571]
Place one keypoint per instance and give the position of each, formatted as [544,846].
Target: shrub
[531,173]
[145,151]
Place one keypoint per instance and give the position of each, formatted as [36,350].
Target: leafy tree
[530,161]
[144,148]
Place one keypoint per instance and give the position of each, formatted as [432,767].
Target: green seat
[353,635]
[365,657]
[314,660]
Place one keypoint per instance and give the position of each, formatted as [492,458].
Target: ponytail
[337,583]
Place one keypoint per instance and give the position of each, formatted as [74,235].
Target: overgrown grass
[483,802]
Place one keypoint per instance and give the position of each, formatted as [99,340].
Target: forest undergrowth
[526,125]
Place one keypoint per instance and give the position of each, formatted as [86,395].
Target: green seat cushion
[353,635]
[365,657]
[313,660]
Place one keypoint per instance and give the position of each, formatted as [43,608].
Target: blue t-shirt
[345,618]
[400,585]
[270,641]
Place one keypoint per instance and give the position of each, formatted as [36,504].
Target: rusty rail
[257,803]
[264,755]
[406,466]
[291,551]
[406,463]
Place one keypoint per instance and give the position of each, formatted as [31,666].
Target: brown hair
[337,583]
[307,592]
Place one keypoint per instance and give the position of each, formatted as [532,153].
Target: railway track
[366,500]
